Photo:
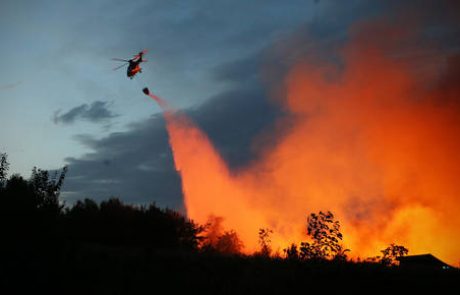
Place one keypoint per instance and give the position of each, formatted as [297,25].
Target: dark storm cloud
[137,165]
[96,112]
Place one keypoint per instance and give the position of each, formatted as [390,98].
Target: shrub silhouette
[212,230]
[291,252]
[215,239]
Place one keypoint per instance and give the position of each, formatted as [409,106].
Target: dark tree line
[116,248]
[31,211]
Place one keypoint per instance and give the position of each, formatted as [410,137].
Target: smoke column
[198,162]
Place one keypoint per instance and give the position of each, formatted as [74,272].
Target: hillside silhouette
[116,248]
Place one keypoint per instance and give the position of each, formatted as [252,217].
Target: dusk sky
[62,104]
[57,59]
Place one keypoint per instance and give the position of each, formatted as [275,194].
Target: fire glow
[370,142]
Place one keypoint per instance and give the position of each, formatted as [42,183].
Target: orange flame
[370,142]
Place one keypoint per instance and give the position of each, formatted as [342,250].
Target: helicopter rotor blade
[119,59]
[119,67]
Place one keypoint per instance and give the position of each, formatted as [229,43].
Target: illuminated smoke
[375,140]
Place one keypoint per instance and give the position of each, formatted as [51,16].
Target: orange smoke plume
[375,141]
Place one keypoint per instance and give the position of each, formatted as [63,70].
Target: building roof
[422,261]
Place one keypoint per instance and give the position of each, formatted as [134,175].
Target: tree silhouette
[18,196]
[31,210]
[326,237]
[121,247]
[39,193]
[265,241]
[4,165]
[47,188]
[114,223]
[391,253]
[229,243]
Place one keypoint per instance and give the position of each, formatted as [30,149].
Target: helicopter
[133,64]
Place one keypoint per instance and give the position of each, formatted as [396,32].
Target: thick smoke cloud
[372,136]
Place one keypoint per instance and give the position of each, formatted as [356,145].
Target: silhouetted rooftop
[424,261]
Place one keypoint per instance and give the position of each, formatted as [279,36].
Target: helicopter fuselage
[133,68]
